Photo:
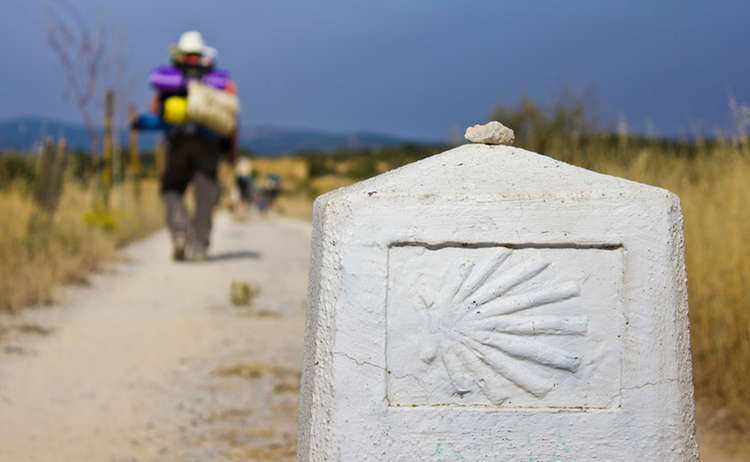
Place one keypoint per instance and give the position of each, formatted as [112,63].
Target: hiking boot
[197,254]
[178,247]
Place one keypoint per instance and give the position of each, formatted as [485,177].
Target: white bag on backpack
[214,109]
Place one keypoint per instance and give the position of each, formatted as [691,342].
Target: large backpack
[199,93]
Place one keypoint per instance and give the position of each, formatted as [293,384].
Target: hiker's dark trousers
[191,159]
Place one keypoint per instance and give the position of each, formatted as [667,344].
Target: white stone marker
[492,304]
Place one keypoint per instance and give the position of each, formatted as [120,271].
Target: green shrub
[17,168]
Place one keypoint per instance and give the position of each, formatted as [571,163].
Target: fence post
[159,155]
[57,176]
[135,158]
[109,109]
[41,192]
[48,186]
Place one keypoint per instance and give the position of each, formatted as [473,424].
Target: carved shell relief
[480,334]
[532,326]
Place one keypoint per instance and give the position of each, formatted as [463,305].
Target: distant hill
[277,140]
[27,134]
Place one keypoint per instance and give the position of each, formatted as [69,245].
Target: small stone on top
[491,133]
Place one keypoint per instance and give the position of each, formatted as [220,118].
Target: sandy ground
[151,361]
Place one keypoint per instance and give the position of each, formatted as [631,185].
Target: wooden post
[41,192]
[159,155]
[48,187]
[109,110]
[135,157]
[58,176]
[117,160]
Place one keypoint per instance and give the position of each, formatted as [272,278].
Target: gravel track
[151,361]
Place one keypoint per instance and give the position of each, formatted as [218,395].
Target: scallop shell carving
[481,334]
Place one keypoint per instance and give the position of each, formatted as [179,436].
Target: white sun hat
[192,42]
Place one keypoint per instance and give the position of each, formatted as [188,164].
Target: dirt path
[153,362]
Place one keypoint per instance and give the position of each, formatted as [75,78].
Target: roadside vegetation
[38,252]
[712,178]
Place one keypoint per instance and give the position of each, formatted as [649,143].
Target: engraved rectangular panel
[504,326]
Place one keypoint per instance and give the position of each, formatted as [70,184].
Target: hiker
[269,191]
[244,184]
[200,124]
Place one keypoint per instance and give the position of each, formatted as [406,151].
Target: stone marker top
[490,133]
[494,172]
[489,303]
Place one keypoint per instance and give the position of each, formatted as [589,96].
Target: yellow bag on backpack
[175,110]
[215,109]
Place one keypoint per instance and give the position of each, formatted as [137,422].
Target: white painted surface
[492,304]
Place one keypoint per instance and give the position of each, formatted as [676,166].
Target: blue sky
[422,69]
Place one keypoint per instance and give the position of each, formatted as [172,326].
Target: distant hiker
[270,188]
[244,182]
[197,107]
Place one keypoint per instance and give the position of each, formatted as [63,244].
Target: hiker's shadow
[237,255]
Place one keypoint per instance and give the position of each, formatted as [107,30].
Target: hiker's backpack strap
[167,80]
[171,80]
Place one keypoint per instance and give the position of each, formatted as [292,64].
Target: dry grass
[258,369]
[298,204]
[295,205]
[293,170]
[36,255]
[325,183]
[242,293]
[714,190]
